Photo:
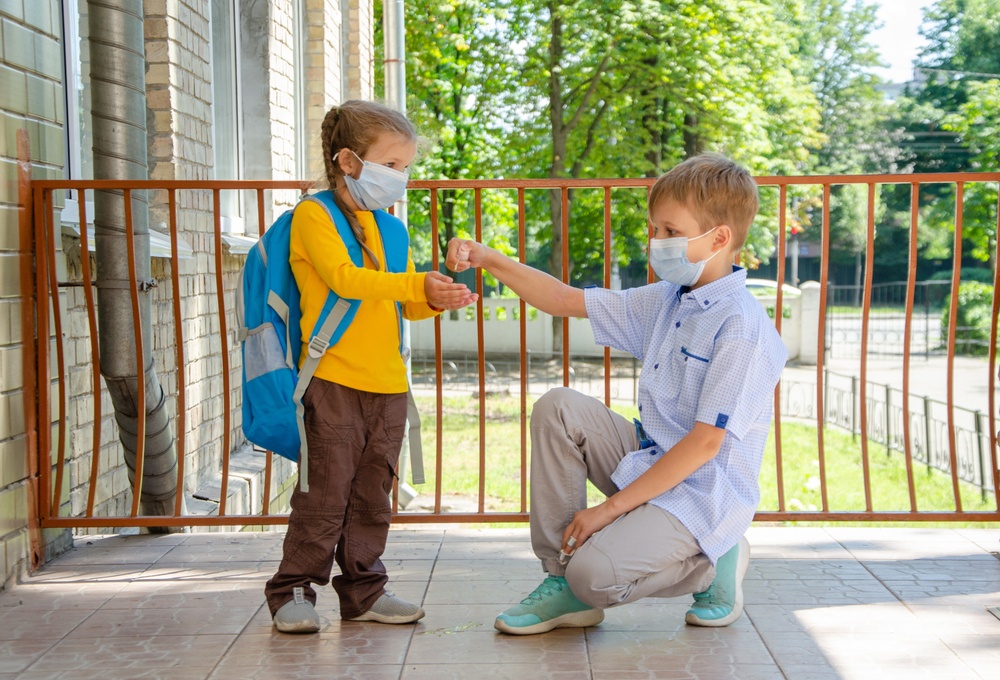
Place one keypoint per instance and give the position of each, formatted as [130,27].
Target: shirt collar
[709,294]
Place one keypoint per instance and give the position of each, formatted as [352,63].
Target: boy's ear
[723,236]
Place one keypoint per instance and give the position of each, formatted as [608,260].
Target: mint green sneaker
[551,605]
[722,603]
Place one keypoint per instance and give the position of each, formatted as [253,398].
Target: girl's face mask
[377,186]
[668,258]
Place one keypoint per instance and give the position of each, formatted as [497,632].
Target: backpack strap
[317,348]
[395,243]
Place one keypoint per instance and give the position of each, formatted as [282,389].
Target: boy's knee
[592,580]
[550,405]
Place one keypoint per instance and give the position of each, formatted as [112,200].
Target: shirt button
[640,408]
[655,366]
[706,302]
[677,325]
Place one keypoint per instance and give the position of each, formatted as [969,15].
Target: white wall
[502,331]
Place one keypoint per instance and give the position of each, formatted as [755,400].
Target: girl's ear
[349,163]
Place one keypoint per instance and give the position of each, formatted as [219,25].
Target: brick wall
[361,54]
[324,74]
[179,127]
[30,80]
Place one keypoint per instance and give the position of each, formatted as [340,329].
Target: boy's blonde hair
[715,189]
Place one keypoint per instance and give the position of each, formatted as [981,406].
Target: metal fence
[888,323]
[922,430]
[58,444]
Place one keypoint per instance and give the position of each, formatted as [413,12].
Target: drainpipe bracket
[144,285]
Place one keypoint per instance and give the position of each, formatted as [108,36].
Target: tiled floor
[822,603]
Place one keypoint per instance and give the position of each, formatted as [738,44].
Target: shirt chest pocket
[688,367]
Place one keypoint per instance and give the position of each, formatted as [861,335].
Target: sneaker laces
[552,585]
[705,595]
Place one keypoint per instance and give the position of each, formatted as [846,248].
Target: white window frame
[300,37]
[232,222]
[72,85]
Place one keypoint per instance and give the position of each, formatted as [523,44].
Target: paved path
[822,604]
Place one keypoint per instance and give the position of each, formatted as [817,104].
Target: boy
[682,485]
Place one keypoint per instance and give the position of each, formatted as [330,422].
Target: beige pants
[646,552]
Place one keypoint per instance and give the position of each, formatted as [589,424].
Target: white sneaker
[297,615]
[391,609]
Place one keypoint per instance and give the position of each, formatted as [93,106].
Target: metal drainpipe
[394,30]
[118,101]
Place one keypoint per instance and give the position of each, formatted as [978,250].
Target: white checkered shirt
[710,355]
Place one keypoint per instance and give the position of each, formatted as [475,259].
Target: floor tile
[946,620]
[448,619]
[16,655]
[562,649]
[487,671]
[817,591]
[984,568]
[358,643]
[703,647]
[190,653]
[822,603]
[946,592]
[318,671]
[208,595]
[152,622]
[457,570]
[887,617]
[20,623]
[500,592]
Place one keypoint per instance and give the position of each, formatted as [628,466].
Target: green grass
[843,464]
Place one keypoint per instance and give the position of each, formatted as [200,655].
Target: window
[78,128]
[300,33]
[227,128]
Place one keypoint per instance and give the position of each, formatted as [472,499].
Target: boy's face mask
[377,186]
[668,258]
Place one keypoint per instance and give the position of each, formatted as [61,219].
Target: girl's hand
[443,293]
[585,524]
[464,254]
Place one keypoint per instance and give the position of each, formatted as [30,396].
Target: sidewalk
[822,604]
[928,377]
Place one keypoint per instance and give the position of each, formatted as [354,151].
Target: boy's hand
[443,293]
[464,254]
[585,523]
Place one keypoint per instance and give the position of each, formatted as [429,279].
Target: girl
[355,405]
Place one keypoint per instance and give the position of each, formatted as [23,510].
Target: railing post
[888,420]
[29,375]
[981,464]
[927,431]
[854,408]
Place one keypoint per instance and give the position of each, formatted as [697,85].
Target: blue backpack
[269,314]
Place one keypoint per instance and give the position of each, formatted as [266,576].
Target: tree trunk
[693,143]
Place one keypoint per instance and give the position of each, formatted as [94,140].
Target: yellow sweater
[367,355]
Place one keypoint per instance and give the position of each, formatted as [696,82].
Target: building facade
[234,90]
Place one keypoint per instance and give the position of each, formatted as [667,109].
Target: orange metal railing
[42,318]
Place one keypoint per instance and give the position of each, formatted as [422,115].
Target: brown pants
[354,442]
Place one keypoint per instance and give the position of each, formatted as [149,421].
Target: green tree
[627,89]
[836,56]
[978,123]
[458,67]
[947,115]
